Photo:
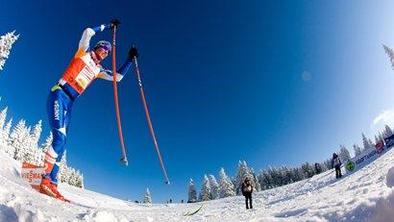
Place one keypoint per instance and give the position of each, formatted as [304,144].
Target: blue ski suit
[82,71]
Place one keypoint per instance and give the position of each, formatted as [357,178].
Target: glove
[114,23]
[133,52]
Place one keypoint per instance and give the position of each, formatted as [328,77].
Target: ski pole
[152,132]
[123,159]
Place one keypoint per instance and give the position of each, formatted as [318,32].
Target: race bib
[88,73]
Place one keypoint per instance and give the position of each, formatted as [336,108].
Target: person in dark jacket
[247,189]
[336,163]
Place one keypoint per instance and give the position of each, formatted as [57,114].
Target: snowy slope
[366,195]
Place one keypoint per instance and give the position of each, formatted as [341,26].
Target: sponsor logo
[32,175]
[56,109]
[350,165]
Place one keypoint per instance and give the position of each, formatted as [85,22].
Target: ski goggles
[106,48]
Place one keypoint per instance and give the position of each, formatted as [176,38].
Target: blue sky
[272,83]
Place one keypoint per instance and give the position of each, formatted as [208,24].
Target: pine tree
[19,138]
[3,115]
[35,135]
[307,170]
[372,144]
[390,54]
[63,168]
[226,187]
[28,151]
[48,142]
[6,136]
[6,42]
[147,197]
[3,135]
[344,154]
[265,179]
[327,164]
[386,133]
[299,174]
[192,192]
[286,175]
[366,142]
[205,193]
[33,153]
[255,181]
[80,181]
[72,180]
[357,150]
[44,148]
[242,173]
[214,187]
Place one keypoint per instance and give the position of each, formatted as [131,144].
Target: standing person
[336,163]
[84,68]
[247,189]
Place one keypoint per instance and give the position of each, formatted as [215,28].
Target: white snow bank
[365,195]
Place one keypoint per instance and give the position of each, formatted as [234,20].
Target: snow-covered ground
[366,195]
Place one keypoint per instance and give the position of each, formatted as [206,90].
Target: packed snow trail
[365,195]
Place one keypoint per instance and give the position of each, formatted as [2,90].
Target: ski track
[365,195]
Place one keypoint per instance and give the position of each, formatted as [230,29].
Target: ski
[193,212]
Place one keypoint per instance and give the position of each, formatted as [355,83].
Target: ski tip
[168,182]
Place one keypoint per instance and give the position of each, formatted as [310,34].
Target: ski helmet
[103,44]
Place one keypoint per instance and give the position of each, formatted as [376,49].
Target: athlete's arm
[107,74]
[87,35]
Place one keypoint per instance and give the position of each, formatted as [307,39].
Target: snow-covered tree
[3,115]
[386,133]
[243,172]
[265,179]
[226,187]
[6,42]
[366,142]
[64,172]
[357,150]
[344,154]
[36,133]
[19,138]
[192,192]
[147,197]
[80,183]
[75,178]
[205,193]
[308,170]
[390,54]
[327,164]
[48,143]
[22,145]
[6,136]
[214,187]
[298,174]
[34,153]
[3,135]
[255,181]
[286,176]
[44,148]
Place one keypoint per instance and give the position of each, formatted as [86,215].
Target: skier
[336,163]
[247,189]
[84,68]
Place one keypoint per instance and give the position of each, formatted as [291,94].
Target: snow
[365,195]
